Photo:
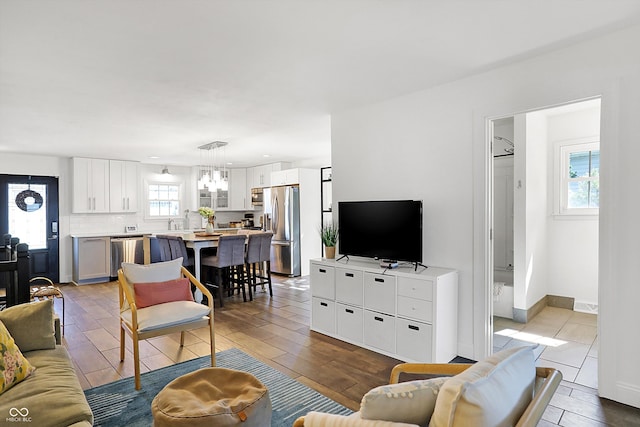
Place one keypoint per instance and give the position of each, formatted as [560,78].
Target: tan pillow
[31,325]
[491,393]
[409,402]
[14,367]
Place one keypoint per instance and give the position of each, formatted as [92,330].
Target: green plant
[206,212]
[329,234]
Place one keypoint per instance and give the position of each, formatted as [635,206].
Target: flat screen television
[384,229]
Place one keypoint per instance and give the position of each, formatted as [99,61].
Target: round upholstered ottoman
[213,397]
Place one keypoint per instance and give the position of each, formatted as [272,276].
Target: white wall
[431,145]
[573,241]
[531,266]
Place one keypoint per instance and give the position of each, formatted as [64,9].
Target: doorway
[544,221]
[30,212]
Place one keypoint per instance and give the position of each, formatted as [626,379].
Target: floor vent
[585,307]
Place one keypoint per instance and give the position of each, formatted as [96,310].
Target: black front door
[29,211]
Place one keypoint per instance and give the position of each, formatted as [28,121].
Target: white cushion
[167,314]
[491,393]
[408,402]
[151,273]
[319,419]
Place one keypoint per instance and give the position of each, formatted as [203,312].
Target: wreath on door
[29,200]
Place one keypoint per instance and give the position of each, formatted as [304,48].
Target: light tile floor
[568,342]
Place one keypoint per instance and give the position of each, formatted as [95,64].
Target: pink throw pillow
[153,293]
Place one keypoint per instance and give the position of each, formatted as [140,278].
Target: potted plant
[210,215]
[329,235]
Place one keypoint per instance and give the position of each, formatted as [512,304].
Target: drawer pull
[415,328]
[379,319]
[348,310]
[377,279]
[324,304]
[348,274]
[322,270]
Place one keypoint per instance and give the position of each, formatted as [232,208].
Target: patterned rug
[119,404]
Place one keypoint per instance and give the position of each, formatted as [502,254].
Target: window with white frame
[580,179]
[163,200]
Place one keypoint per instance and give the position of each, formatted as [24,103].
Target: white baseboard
[585,307]
[629,394]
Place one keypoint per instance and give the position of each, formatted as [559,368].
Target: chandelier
[213,170]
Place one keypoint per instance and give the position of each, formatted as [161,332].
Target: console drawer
[323,315]
[349,286]
[323,281]
[379,331]
[380,293]
[349,323]
[414,340]
[413,288]
[415,309]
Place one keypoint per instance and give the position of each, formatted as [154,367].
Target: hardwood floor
[275,331]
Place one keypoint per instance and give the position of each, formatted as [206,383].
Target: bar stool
[173,247]
[259,254]
[230,258]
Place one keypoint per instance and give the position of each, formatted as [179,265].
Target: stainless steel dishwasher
[125,249]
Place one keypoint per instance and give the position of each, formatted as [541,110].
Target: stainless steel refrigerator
[283,212]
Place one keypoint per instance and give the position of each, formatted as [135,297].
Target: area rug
[119,404]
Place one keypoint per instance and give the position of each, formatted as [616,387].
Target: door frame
[53,214]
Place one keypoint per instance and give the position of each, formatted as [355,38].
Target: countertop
[115,235]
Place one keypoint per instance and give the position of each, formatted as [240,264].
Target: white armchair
[506,389]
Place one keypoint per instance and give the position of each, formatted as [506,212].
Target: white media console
[406,314]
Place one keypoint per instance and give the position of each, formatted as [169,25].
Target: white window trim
[181,200]
[561,161]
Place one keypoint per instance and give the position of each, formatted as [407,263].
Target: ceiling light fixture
[165,171]
[213,171]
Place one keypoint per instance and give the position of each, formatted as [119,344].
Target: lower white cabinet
[91,259]
[380,331]
[324,318]
[403,313]
[413,339]
[349,322]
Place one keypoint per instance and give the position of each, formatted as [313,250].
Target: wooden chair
[546,383]
[161,319]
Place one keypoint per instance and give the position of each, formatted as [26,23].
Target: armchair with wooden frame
[162,318]
[526,410]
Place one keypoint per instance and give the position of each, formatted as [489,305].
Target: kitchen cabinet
[91,259]
[123,186]
[90,185]
[262,174]
[402,313]
[238,196]
[285,177]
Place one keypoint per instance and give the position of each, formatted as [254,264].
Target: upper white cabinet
[238,197]
[285,177]
[123,189]
[262,174]
[90,185]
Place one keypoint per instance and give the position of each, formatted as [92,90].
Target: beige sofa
[51,395]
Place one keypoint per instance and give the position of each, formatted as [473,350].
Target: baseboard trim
[523,316]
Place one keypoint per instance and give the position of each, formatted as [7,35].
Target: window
[580,179]
[164,200]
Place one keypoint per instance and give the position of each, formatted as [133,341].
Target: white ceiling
[129,79]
